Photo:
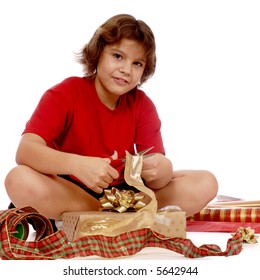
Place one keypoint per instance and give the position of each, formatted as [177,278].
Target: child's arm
[96,173]
[157,171]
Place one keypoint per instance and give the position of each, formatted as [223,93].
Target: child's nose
[126,68]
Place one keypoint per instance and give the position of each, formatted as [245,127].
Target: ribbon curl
[121,201]
[247,235]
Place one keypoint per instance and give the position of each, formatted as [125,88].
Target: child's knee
[15,176]
[211,184]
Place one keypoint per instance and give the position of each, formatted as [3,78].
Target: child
[65,156]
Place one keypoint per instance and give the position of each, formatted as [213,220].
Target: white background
[206,86]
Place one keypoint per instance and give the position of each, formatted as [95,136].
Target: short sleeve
[51,116]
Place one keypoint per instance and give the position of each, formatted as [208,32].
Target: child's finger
[115,155]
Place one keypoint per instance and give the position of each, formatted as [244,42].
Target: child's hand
[157,170]
[151,166]
[96,173]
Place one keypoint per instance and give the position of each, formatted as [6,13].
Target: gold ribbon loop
[248,235]
[121,201]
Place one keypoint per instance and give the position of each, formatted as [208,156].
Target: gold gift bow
[121,201]
[248,235]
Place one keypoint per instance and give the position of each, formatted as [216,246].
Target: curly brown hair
[122,26]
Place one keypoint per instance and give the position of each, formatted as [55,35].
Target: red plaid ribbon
[50,245]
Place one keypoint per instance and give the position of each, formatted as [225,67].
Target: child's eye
[117,56]
[139,64]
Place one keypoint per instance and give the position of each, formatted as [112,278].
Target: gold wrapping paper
[79,224]
[132,175]
[235,204]
[166,223]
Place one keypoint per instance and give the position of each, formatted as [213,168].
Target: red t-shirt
[71,118]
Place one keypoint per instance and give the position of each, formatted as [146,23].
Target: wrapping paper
[79,224]
[167,223]
[233,214]
[239,203]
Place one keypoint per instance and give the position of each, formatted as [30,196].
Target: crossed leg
[52,196]
[191,190]
[49,195]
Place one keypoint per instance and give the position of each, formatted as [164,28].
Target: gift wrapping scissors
[119,163]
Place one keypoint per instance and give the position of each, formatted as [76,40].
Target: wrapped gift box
[170,223]
[79,224]
[243,214]
[230,211]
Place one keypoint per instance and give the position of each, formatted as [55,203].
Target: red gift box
[228,215]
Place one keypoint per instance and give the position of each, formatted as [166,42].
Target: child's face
[119,69]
